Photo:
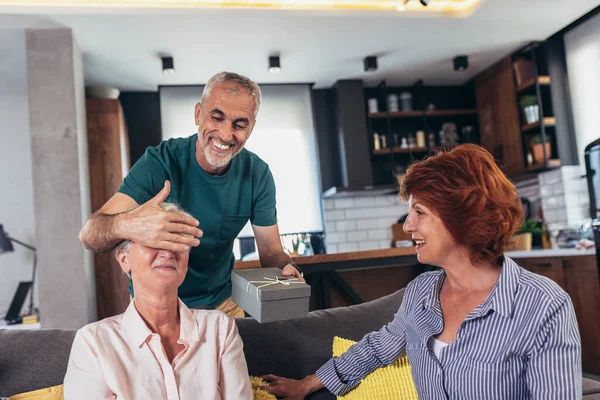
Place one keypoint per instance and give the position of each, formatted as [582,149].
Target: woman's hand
[291,389]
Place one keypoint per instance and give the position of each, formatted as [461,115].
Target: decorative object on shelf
[404,144]
[431,107]
[523,70]
[537,146]
[373,106]
[383,142]
[530,107]
[449,134]
[467,134]
[411,141]
[406,101]
[431,140]
[392,102]
[376,144]
[529,158]
[523,238]
[6,246]
[420,139]
[395,139]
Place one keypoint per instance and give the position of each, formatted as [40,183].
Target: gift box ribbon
[271,281]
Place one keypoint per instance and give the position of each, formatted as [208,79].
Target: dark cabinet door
[498,112]
[584,289]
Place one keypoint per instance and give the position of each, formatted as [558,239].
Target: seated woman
[481,327]
[159,348]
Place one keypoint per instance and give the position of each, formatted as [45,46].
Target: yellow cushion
[260,394]
[393,382]
[51,393]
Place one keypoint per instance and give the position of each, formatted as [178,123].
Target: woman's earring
[128,273]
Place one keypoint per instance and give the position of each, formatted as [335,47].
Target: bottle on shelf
[376,144]
[383,141]
[431,140]
[420,139]
[411,141]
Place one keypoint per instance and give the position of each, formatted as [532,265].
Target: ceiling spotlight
[370,64]
[461,63]
[167,65]
[274,64]
[400,7]
[425,2]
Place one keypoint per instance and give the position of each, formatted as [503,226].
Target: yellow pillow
[260,394]
[51,393]
[393,382]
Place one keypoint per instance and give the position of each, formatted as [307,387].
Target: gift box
[268,296]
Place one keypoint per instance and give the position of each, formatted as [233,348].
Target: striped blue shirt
[522,342]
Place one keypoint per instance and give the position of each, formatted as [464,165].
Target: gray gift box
[268,296]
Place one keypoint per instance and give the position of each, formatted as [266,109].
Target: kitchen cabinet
[578,276]
[500,131]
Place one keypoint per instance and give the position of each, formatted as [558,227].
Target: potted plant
[530,107]
[523,238]
[537,146]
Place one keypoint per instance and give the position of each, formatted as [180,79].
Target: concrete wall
[60,177]
[16,201]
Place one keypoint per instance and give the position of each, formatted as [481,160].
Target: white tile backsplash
[328,204]
[358,235]
[366,224]
[347,225]
[343,203]
[371,245]
[365,201]
[335,215]
[565,198]
[346,247]
[336,237]
[361,222]
[381,234]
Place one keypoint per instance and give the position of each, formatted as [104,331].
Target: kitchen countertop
[551,253]
[356,258]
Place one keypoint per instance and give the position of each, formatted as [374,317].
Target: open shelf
[415,150]
[542,80]
[548,121]
[552,164]
[421,113]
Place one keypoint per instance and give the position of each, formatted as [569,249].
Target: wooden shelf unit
[548,121]
[421,113]
[541,80]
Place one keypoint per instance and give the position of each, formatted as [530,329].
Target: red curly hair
[477,203]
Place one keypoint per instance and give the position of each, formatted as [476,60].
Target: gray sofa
[32,360]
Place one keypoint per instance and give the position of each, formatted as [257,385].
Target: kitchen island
[350,278]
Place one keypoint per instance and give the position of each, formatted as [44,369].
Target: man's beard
[217,161]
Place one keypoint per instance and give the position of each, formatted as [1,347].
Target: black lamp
[6,246]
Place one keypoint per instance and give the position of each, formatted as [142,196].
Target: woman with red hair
[480,327]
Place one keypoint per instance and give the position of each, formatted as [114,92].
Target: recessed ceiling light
[167,65]
[274,64]
[370,64]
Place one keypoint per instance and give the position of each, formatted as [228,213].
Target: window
[284,137]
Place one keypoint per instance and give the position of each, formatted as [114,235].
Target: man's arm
[149,225]
[270,250]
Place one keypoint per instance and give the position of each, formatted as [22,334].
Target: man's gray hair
[239,80]
[171,207]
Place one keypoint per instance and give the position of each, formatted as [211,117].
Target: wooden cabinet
[578,276]
[500,132]
[108,149]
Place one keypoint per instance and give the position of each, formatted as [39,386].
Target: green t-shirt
[223,204]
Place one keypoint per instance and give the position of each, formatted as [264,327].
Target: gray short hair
[240,80]
[171,207]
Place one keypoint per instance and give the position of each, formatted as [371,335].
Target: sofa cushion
[297,348]
[32,360]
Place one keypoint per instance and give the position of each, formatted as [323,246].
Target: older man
[220,183]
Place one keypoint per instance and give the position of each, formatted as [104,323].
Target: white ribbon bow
[271,281]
